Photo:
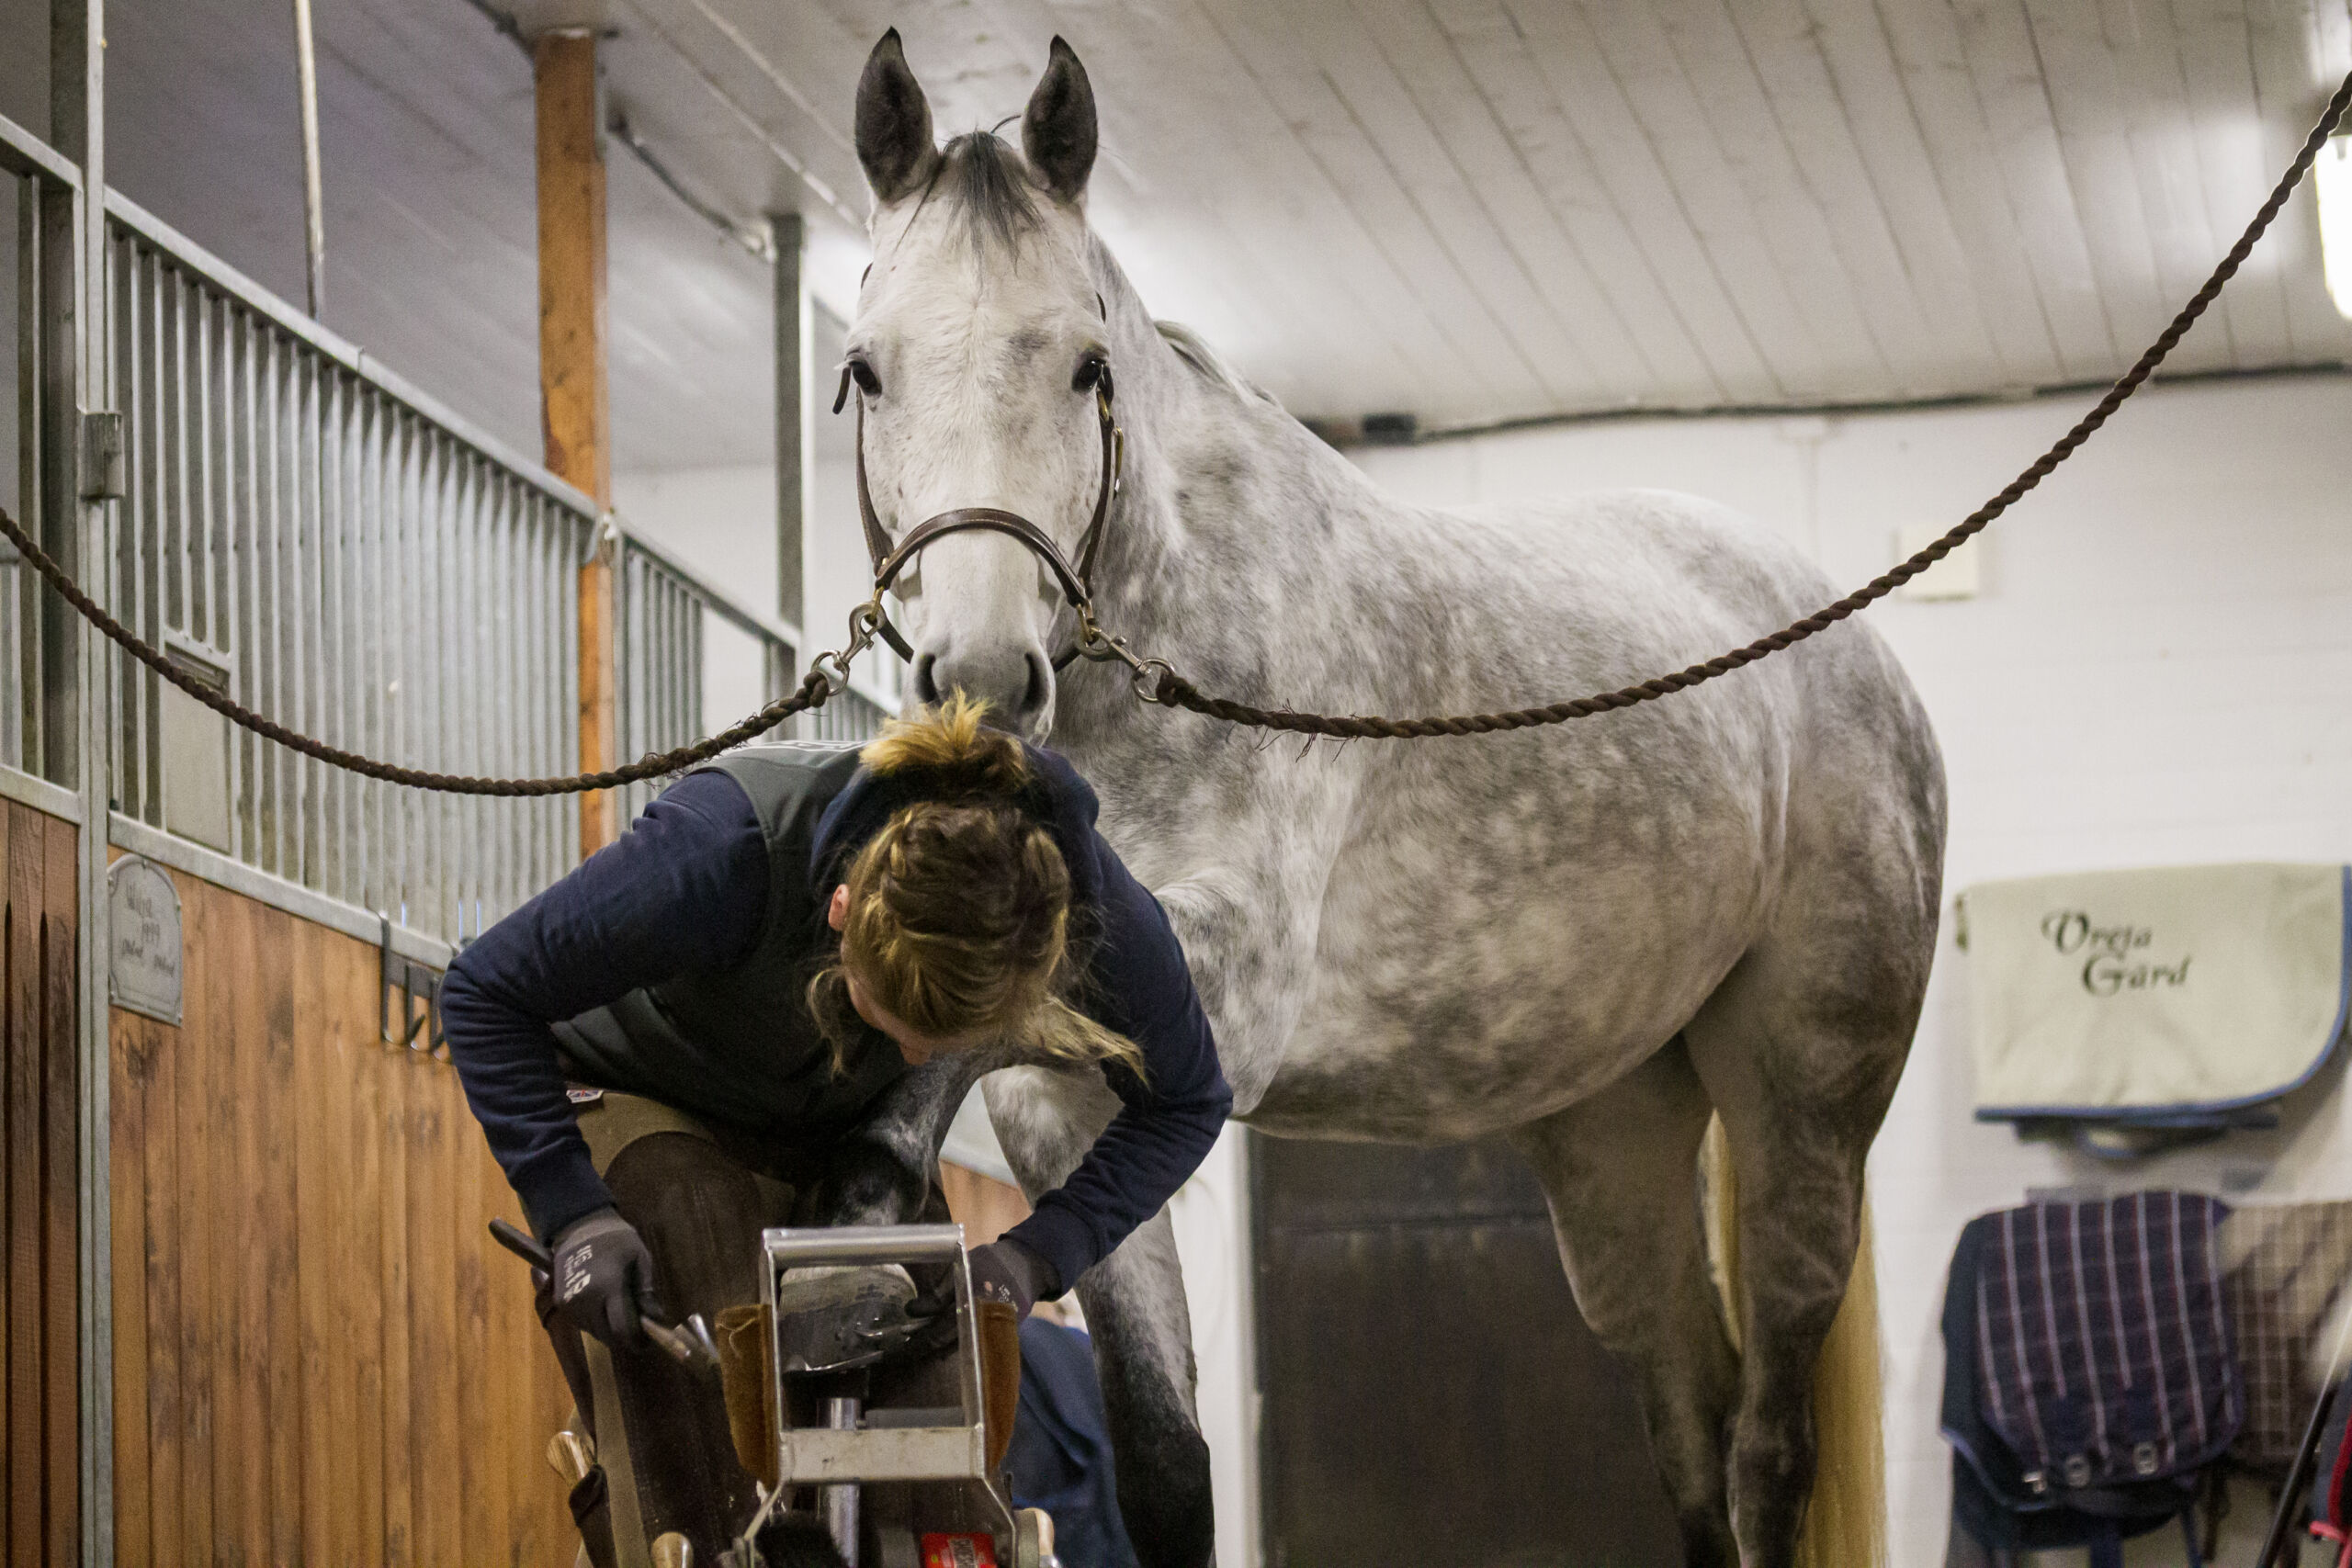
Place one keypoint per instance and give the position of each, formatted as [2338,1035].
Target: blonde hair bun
[951,742]
[958,919]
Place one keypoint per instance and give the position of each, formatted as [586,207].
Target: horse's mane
[1194,351]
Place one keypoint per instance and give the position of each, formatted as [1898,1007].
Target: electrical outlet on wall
[1960,575]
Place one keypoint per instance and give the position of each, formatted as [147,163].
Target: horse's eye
[1091,371]
[867,382]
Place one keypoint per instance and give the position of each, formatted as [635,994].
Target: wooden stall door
[320,1357]
[1430,1393]
[40,1189]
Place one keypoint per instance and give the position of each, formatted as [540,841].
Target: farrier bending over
[747,970]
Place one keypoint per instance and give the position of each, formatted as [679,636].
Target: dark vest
[737,1046]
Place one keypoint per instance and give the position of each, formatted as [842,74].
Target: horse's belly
[1467,1021]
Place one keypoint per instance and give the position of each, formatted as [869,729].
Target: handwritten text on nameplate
[143,914]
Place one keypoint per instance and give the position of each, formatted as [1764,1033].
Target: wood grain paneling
[39,1254]
[319,1357]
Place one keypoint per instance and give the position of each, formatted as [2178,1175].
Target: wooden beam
[574,389]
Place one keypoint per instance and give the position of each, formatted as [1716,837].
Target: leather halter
[1075,580]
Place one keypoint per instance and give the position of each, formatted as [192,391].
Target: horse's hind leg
[1136,1314]
[1800,1049]
[1620,1171]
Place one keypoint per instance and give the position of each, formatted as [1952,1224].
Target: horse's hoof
[1033,1540]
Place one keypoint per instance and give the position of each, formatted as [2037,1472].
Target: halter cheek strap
[1075,581]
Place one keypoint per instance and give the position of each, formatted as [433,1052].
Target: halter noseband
[1076,581]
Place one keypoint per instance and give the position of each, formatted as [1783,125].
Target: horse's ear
[1058,129]
[893,123]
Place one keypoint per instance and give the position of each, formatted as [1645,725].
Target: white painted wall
[720,525]
[2159,670]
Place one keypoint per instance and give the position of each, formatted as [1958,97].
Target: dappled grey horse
[1589,937]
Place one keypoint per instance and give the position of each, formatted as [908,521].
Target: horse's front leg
[1046,1119]
[881,1173]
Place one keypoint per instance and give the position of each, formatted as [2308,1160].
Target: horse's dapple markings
[1593,938]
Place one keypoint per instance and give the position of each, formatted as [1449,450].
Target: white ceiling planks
[1471,210]
[1489,210]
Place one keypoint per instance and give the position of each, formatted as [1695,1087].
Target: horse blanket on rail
[2140,1007]
[2089,1370]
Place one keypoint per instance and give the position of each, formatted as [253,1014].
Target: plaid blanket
[2288,1263]
[2104,1351]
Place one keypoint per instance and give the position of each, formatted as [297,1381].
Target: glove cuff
[1044,1279]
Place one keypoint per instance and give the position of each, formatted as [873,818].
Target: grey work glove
[603,1277]
[1008,1272]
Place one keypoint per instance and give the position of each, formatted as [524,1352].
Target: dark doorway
[1430,1393]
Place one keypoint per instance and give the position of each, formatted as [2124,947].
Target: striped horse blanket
[2089,1371]
[2103,1339]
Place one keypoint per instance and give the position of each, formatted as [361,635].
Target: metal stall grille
[333,551]
[20,285]
[853,714]
[693,661]
[658,645]
[35,288]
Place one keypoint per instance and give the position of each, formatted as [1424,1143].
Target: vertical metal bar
[314,225]
[534,622]
[406,556]
[21,672]
[302,668]
[144,542]
[433,666]
[238,545]
[367,633]
[335,635]
[465,650]
[423,711]
[174,381]
[269,606]
[506,547]
[201,619]
[573,543]
[532,616]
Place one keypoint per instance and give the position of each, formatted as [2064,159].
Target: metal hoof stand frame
[882,1477]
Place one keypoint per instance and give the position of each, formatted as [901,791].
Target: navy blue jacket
[686,889]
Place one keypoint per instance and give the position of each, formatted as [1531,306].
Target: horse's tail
[1846,1525]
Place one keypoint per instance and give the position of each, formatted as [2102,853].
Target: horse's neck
[1219,499]
[1199,511]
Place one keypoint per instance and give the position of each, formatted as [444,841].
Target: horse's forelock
[983,181]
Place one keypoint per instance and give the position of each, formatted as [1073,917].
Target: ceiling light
[2334,179]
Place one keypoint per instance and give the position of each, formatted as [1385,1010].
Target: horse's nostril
[1033,700]
[926,690]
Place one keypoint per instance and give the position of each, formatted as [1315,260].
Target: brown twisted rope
[1172,689]
[812,693]
[1176,691]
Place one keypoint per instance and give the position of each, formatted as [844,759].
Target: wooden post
[575,397]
